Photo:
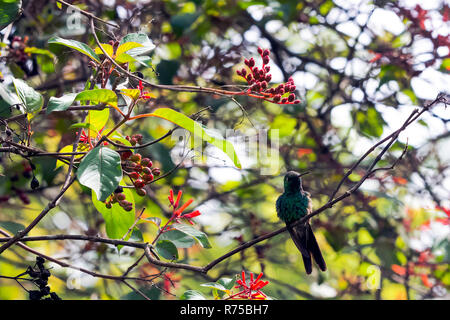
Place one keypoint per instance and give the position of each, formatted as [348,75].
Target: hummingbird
[291,206]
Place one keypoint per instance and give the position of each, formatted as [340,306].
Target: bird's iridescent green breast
[293,206]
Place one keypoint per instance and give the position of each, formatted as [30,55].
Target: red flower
[144,94]
[177,213]
[252,289]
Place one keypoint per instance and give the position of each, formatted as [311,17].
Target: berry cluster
[139,170]
[17,49]
[135,139]
[40,275]
[119,197]
[259,78]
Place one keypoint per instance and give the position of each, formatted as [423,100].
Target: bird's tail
[306,242]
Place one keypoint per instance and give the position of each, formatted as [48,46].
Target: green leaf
[69,148]
[214,285]
[155,220]
[228,283]
[80,125]
[167,250]
[79,46]
[11,226]
[30,98]
[7,99]
[192,295]
[95,96]
[141,38]
[127,46]
[9,11]
[35,50]
[97,119]
[98,96]
[198,130]
[101,171]
[196,234]
[136,235]
[178,238]
[61,103]
[117,220]
[107,47]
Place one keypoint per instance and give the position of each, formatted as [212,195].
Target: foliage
[103,116]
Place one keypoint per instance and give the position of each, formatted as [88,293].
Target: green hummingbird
[292,205]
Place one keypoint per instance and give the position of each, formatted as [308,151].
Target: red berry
[260,51]
[108,205]
[291,97]
[134,175]
[133,141]
[146,162]
[277,98]
[129,208]
[251,63]
[296,101]
[141,192]
[120,196]
[284,100]
[136,157]
[148,177]
[266,52]
[125,155]
[266,60]
[139,183]
[146,170]
[156,171]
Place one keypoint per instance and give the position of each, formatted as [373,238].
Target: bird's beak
[304,173]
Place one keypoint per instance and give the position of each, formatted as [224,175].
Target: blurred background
[360,68]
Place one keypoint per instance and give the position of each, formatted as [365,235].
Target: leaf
[80,125]
[192,295]
[197,129]
[101,171]
[30,98]
[9,11]
[35,50]
[107,47]
[98,96]
[117,220]
[214,285]
[178,238]
[11,226]
[7,99]
[124,58]
[136,235]
[61,103]
[141,38]
[97,119]
[127,46]
[132,93]
[196,234]
[79,46]
[155,220]
[167,250]
[228,283]
[69,148]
